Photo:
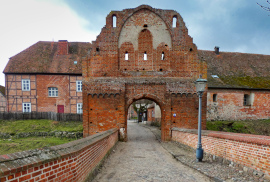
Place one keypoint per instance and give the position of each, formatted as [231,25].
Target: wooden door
[60,108]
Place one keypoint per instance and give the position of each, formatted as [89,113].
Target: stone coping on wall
[20,161]
[248,138]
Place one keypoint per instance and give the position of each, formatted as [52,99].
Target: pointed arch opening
[114,20]
[174,24]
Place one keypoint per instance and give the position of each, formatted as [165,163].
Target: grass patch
[23,126]
[22,144]
[256,127]
[44,125]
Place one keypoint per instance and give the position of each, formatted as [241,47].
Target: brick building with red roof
[46,77]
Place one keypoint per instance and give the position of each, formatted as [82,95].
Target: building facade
[142,53]
[46,77]
[3,100]
[238,85]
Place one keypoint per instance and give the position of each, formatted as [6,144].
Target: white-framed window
[79,86]
[79,108]
[53,92]
[25,85]
[26,107]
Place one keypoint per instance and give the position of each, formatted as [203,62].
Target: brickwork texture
[248,150]
[74,161]
[143,57]
[229,104]
[38,94]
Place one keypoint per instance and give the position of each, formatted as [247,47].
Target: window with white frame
[26,107]
[53,92]
[79,108]
[79,86]
[25,85]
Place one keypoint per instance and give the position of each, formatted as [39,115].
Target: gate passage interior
[142,53]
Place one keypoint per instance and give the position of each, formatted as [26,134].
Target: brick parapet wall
[74,161]
[252,151]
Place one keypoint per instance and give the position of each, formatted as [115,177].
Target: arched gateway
[142,53]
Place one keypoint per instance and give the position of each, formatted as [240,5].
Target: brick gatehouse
[142,53]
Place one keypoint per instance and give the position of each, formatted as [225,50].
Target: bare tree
[140,107]
[266,8]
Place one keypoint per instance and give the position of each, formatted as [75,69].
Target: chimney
[217,50]
[62,47]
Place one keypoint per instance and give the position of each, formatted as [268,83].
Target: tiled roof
[237,70]
[2,90]
[224,70]
[43,57]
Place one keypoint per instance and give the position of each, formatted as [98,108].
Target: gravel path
[216,170]
[143,158]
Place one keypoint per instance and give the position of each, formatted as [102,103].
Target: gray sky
[233,25]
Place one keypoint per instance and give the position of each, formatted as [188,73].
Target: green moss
[247,81]
[257,127]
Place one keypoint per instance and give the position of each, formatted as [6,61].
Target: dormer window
[162,56]
[126,56]
[145,56]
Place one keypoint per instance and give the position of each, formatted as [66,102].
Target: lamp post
[200,87]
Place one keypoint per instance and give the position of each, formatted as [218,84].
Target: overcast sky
[233,25]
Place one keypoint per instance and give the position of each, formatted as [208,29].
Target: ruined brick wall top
[144,31]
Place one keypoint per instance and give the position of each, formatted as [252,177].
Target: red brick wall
[38,95]
[139,30]
[229,105]
[150,116]
[74,161]
[252,151]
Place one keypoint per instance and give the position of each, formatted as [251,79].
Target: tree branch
[265,7]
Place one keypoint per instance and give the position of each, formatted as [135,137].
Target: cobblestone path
[142,159]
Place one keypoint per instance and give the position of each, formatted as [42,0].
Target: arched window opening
[126,55]
[162,56]
[174,21]
[145,56]
[114,21]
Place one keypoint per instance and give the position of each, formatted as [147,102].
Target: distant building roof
[2,90]
[237,70]
[50,57]
[224,69]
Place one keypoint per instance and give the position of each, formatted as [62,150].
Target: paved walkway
[142,159]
